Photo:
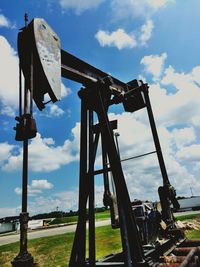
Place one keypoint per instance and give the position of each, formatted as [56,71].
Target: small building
[6,227]
[189,203]
[9,224]
[40,223]
[35,224]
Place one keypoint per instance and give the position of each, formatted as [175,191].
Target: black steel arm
[80,71]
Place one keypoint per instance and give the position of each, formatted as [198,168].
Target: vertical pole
[78,253]
[92,256]
[24,214]
[117,144]
[155,137]
[107,193]
[31,86]
[109,199]
[20,89]
[165,201]
[24,259]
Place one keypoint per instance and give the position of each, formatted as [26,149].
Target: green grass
[71,219]
[55,251]
[193,234]
[188,217]
[102,215]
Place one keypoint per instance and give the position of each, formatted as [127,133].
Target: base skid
[169,254]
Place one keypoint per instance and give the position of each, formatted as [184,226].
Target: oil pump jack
[43,63]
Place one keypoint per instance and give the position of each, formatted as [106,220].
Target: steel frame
[97,100]
[101,91]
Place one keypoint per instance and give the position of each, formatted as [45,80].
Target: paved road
[11,238]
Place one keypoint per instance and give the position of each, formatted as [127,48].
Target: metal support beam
[80,71]
[167,192]
[92,246]
[24,258]
[78,253]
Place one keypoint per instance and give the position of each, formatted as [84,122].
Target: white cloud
[156,4]
[18,190]
[137,8]
[7,110]
[41,184]
[184,136]
[42,204]
[55,111]
[138,136]
[184,101]
[5,152]
[45,156]
[4,22]
[36,187]
[186,82]
[189,153]
[175,108]
[196,120]
[146,32]
[118,38]
[196,74]
[8,211]
[79,6]
[64,200]
[8,86]
[154,64]
[65,91]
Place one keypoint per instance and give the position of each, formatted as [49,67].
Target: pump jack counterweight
[140,246]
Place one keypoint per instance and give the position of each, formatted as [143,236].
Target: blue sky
[153,40]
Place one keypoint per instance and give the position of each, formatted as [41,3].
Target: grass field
[70,219]
[106,215]
[188,217]
[55,251]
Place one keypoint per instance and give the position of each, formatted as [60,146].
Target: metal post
[107,193]
[155,137]
[24,259]
[166,210]
[116,141]
[92,250]
[78,254]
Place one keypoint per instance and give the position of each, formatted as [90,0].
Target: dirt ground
[193,224]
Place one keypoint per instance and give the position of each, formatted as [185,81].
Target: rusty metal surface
[80,71]
[190,243]
[190,257]
[48,47]
[173,259]
[39,40]
[182,251]
[183,256]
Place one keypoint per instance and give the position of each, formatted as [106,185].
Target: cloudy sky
[153,40]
